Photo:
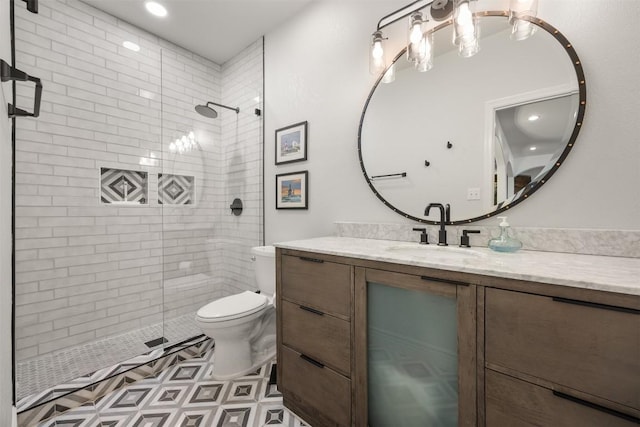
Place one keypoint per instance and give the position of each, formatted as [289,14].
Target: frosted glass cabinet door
[412,356]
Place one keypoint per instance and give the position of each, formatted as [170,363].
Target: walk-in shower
[119,238]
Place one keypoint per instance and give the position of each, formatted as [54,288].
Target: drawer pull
[316,260]
[312,361]
[311,310]
[449,282]
[596,305]
[596,407]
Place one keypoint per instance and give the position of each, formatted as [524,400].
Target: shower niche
[120,186]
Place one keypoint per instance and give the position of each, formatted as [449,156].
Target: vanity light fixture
[156,9]
[377,63]
[533,148]
[533,117]
[519,11]
[466,30]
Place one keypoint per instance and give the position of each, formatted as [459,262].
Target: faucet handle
[424,237]
[464,239]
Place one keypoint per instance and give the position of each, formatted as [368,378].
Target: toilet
[243,325]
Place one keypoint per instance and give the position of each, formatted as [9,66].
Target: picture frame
[291,143]
[292,190]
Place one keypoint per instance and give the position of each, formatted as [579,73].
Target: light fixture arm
[405,14]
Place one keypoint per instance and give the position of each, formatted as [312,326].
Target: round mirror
[482,133]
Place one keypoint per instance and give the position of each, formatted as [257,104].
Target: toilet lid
[232,307]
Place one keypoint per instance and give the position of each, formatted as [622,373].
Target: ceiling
[215,29]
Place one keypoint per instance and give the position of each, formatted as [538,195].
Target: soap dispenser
[504,243]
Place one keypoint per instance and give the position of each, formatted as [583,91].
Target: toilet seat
[232,307]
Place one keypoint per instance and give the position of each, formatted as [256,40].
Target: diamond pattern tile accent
[206,393]
[175,189]
[185,373]
[118,185]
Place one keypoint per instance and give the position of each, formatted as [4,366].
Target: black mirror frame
[582,91]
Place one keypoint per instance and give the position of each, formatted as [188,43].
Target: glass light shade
[390,74]
[466,31]
[377,64]
[426,62]
[518,9]
[521,29]
[415,42]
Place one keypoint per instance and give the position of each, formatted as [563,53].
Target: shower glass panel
[121,237]
[88,254]
[412,358]
[207,162]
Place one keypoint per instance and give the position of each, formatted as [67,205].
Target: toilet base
[259,360]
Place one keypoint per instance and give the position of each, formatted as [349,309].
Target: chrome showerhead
[206,111]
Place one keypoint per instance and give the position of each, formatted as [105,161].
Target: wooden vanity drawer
[319,284]
[593,349]
[515,403]
[315,388]
[321,336]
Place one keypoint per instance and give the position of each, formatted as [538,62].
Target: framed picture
[291,190]
[291,143]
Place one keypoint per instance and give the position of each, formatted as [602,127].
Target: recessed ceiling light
[533,148]
[131,46]
[533,117]
[156,9]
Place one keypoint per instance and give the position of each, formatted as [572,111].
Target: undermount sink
[434,251]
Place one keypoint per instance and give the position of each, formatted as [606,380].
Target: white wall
[6,383]
[316,69]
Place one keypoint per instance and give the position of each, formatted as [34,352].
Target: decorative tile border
[622,243]
[42,406]
[176,189]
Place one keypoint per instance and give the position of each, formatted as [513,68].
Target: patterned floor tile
[195,417]
[155,418]
[238,415]
[207,394]
[183,396]
[243,391]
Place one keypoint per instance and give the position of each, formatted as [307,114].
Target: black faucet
[445,215]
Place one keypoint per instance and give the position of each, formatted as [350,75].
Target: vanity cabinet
[313,309]
[367,339]
[366,342]
[560,361]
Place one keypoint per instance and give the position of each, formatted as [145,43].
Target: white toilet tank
[264,268]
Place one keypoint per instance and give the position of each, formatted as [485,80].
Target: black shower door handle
[7,73]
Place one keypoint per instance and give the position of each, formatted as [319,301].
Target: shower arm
[237,110]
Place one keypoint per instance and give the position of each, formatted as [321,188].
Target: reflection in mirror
[529,139]
[465,132]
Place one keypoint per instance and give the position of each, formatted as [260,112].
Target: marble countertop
[612,274]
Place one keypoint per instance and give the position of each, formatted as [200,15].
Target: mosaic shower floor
[186,395]
[38,374]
